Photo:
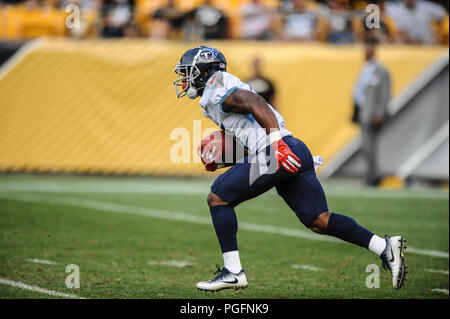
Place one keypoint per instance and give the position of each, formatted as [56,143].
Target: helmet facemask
[185,83]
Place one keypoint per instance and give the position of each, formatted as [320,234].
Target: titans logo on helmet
[206,56]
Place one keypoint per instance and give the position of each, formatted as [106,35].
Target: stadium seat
[443,30]
[11,22]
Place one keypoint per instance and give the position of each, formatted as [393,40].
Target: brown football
[226,143]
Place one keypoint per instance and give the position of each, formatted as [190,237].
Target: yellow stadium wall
[109,106]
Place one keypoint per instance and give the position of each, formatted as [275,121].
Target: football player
[240,112]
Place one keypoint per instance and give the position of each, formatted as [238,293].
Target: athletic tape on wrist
[275,137]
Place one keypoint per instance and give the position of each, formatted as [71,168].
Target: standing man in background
[371,96]
[261,84]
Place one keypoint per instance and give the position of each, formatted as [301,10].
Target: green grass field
[122,231]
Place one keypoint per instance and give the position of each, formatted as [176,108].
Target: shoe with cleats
[225,279]
[393,258]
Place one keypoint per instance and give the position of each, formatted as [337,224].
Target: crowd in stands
[330,21]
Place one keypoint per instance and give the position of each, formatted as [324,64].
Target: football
[226,144]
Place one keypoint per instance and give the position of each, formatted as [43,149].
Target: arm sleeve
[220,86]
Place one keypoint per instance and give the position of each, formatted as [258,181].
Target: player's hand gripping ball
[216,150]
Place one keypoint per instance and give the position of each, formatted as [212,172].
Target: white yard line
[158,213]
[174,263]
[53,293]
[192,188]
[306,267]
[444,291]
[111,187]
[183,217]
[437,271]
[41,261]
[427,252]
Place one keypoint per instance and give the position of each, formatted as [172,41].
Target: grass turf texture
[113,249]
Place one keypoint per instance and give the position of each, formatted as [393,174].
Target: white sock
[377,244]
[232,262]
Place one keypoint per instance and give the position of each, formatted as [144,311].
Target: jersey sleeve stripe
[223,98]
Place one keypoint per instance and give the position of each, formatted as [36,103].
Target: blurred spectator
[300,23]
[371,96]
[116,14]
[444,29]
[339,17]
[4,2]
[256,21]
[132,30]
[89,15]
[206,22]
[261,84]
[415,19]
[83,4]
[334,21]
[385,33]
[41,18]
[166,21]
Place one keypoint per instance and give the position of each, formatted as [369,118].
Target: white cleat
[224,280]
[393,259]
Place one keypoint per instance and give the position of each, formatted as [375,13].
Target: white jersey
[243,127]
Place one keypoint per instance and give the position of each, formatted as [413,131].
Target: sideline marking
[41,261]
[184,217]
[437,271]
[21,285]
[192,188]
[174,263]
[306,267]
[444,291]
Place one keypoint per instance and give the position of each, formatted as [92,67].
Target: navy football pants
[302,191]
